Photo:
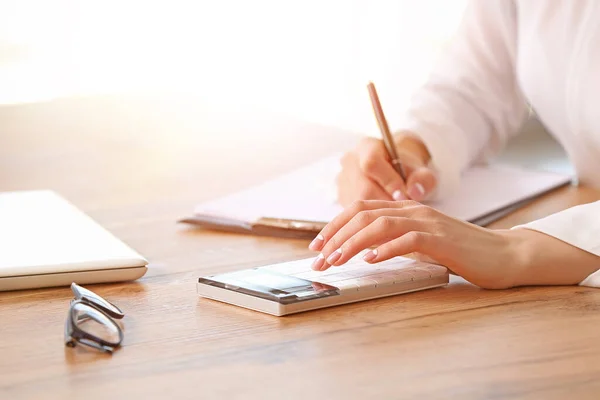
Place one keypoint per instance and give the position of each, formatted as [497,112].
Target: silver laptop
[46,241]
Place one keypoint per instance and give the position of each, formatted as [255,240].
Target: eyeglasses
[90,321]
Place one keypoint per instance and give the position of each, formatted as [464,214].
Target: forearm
[541,259]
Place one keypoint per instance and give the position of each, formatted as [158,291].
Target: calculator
[292,287]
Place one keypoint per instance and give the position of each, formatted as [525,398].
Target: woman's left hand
[491,259]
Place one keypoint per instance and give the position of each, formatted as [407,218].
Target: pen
[388,141]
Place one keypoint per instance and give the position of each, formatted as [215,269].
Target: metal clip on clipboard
[277,227]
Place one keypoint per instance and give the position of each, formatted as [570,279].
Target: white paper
[308,193]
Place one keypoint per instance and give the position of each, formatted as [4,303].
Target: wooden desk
[136,165]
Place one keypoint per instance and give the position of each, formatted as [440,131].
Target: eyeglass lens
[95,323]
[83,293]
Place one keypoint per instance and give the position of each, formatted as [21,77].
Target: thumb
[413,153]
[420,183]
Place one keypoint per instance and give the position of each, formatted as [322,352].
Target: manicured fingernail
[316,244]
[417,191]
[370,256]
[333,257]
[318,263]
[398,195]
[420,188]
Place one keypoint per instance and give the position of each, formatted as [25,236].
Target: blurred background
[309,59]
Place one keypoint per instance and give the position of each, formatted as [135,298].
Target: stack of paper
[486,193]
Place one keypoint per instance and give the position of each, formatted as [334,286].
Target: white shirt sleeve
[471,103]
[578,226]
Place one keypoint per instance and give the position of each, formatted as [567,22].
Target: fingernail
[333,257]
[318,263]
[398,195]
[417,191]
[316,244]
[370,256]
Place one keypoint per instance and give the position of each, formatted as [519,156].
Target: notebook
[46,241]
[293,287]
[299,203]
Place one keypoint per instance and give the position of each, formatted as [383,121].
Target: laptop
[46,241]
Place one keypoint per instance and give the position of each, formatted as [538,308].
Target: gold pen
[388,141]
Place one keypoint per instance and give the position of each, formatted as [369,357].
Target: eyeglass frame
[74,334]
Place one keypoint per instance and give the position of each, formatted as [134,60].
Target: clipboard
[300,203]
[300,229]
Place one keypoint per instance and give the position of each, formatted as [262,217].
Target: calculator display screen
[271,285]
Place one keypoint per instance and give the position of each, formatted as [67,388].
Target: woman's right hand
[367,172]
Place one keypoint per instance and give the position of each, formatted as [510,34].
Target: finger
[431,260]
[360,189]
[424,258]
[382,230]
[411,242]
[353,185]
[367,189]
[421,182]
[374,163]
[358,222]
[345,216]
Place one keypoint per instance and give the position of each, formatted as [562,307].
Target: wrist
[507,261]
[519,259]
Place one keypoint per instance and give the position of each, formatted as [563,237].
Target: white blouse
[509,56]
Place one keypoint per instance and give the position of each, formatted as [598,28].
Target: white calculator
[292,287]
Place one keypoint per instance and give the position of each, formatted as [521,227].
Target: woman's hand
[367,173]
[492,259]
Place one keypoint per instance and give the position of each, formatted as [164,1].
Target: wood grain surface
[136,164]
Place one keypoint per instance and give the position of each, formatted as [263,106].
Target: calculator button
[325,279]
[395,263]
[351,283]
[354,274]
[331,271]
[419,273]
[435,270]
[346,286]
[352,267]
[294,267]
[402,276]
[365,283]
[381,270]
[310,275]
[340,276]
[382,279]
